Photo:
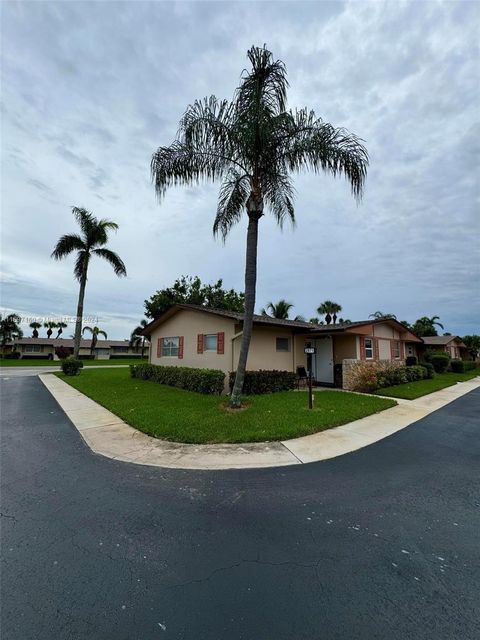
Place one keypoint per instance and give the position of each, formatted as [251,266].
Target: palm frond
[89,329]
[233,195]
[310,143]
[81,264]
[67,244]
[279,195]
[112,258]
[208,124]
[85,219]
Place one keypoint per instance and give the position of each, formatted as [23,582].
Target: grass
[183,416]
[420,388]
[35,362]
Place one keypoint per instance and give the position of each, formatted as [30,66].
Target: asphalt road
[381,543]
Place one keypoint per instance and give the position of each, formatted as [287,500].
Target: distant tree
[300,318]
[136,338]
[473,345]
[278,310]
[425,326]
[50,326]
[190,290]
[447,333]
[35,326]
[406,324]
[61,326]
[95,331]
[91,242]
[10,328]
[344,321]
[379,315]
[329,309]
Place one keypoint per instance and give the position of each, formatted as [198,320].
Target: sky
[91,89]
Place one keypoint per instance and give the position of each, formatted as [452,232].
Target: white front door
[323,369]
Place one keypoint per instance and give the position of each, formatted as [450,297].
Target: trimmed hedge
[461,366]
[440,361]
[429,369]
[209,381]
[411,361]
[13,355]
[391,376]
[71,366]
[263,381]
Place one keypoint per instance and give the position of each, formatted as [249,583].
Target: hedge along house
[46,349]
[193,336]
[453,345]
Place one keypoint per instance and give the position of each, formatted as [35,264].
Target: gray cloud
[90,93]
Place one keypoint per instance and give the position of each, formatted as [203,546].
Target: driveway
[381,543]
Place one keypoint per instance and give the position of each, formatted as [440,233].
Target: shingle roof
[442,340]
[308,327]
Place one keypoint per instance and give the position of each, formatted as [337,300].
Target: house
[193,336]
[453,345]
[45,348]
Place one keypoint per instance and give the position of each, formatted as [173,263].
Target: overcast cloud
[90,89]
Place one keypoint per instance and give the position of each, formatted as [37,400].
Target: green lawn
[35,362]
[183,416]
[413,390]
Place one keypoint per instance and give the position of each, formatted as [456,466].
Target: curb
[106,434]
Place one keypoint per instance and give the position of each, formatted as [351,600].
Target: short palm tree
[35,326]
[10,328]
[379,315]
[329,309]
[278,310]
[95,331]
[50,326]
[137,339]
[254,145]
[426,326]
[61,326]
[91,242]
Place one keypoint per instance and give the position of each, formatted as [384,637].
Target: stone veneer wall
[349,366]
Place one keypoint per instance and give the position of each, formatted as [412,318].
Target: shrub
[430,371]
[461,366]
[440,361]
[263,381]
[469,366]
[411,361]
[209,381]
[363,377]
[71,366]
[13,355]
[63,352]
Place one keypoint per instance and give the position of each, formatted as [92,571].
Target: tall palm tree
[35,326]
[379,315]
[91,242]
[61,326]
[254,145]
[329,309]
[10,328]
[426,326]
[50,326]
[137,338]
[95,331]
[279,310]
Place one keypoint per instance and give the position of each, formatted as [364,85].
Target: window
[170,346]
[410,350]
[210,342]
[33,348]
[368,349]
[119,349]
[396,349]
[283,344]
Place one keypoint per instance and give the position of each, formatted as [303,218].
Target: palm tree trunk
[250,291]
[78,324]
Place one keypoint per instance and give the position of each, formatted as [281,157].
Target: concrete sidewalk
[106,434]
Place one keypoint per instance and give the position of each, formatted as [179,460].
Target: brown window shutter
[221,342]
[392,351]
[376,351]
[200,343]
[180,347]
[362,348]
[402,350]
[159,347]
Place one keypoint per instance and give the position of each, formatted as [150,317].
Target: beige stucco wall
[385,331]
[263,353]
[384,351]
[189,324]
